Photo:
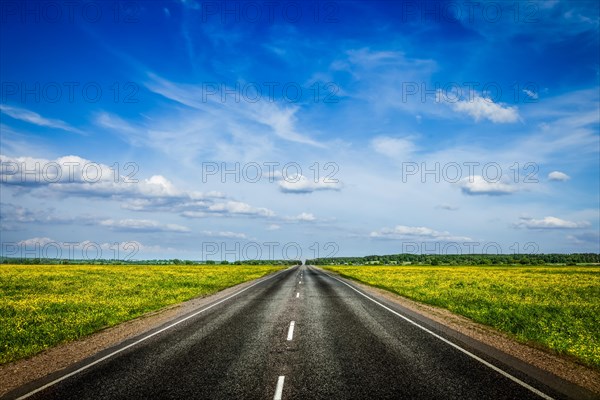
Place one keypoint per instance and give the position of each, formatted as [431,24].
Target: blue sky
[211,130]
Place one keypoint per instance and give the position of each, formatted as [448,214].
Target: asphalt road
[343,345]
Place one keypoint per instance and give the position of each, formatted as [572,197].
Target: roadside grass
[44,305]
[555,307]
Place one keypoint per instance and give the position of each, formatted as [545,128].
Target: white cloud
[397,148]
[558,176]
[273,227]
[532,95]
[302,217]
[159,186]
[71,176]
[237,207]
[301,184]
[40,172]
[36,119]
[144,225]
[549,223]
[478,185]
[225,234]
[416,233]
[480,107]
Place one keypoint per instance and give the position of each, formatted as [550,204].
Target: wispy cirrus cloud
[480,108]
[141,225]
[400,232]
[281,120]
[36,119]
[549,223]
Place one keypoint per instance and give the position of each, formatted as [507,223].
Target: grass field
[44,305]
[556,307]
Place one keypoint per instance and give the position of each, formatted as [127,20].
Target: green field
[555,307]
[44,305]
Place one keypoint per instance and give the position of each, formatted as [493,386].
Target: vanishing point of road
[296,334]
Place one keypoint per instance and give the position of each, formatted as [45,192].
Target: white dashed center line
[291,331]
[279,388]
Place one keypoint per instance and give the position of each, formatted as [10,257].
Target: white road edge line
[70,374]
[279,388]
[291,331]
[457,347]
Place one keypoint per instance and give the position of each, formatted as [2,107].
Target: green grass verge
[555,307]
[44,305]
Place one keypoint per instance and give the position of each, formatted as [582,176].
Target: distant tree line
[462,259]
[173,261]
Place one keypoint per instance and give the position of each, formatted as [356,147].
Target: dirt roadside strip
[19,373]
[560,366]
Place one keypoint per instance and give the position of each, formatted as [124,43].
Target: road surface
[300,334]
